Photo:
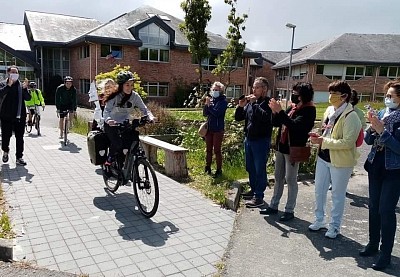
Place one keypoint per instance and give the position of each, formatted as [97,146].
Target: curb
[232,196]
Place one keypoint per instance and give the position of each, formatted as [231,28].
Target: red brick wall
[180,66]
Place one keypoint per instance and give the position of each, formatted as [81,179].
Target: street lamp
[293,27]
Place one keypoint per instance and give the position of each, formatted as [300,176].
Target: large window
[84,52]
[84,85]
[392,72]
[25,70]
[234,91]
[156,89]
[155,44]
[210,63]
[114,50]
[354,72]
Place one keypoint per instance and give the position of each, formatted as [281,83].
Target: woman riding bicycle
[120,103]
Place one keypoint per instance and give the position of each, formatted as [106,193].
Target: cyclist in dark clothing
[65,101]
[256,113]
[13,113]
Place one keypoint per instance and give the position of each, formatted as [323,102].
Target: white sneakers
[317,225]
[332,232]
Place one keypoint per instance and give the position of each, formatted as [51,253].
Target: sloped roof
[14,35]
[118,28]
[351,49]
[49,27]
[274,56]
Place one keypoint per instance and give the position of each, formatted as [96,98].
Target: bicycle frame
[130,160]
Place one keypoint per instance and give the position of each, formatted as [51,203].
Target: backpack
[360,138]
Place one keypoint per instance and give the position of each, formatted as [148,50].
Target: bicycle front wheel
[37,124]
[66,129]
[28,128]
[145,187]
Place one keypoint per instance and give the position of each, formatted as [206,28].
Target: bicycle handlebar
[137,122]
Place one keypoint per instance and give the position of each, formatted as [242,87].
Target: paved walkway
[65,220]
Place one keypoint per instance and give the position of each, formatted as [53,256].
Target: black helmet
[124,76]
[32,85]
[68,79]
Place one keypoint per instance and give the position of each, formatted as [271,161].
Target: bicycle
[134,167]
[35,121]
[66,125]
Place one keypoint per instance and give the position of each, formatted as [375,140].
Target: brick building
[365,61]
[146,39]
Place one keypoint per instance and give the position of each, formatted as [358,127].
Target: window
[392,72]
[383,71]
[156,89]
[354,72]
[84,85]
[152,54]
[155,44]
[210,63]
[320,69]
[369,71]
[84,52]
[234,91]
[114,50]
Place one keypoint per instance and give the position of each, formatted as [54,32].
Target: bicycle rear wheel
[37,124]
[145,187]
[112,177]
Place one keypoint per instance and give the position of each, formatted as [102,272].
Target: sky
[315,20]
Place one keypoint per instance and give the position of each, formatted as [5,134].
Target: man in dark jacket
[256,113]
[13,113]
[65,101]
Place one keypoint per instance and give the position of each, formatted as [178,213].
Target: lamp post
[293,27]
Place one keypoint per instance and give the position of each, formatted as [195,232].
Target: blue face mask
[390,104]
[215,93]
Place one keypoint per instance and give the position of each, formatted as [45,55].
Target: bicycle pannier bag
[98,143]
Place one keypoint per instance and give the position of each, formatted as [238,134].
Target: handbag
[299,153]
[203,129]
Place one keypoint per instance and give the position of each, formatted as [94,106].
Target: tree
[197,16]
[227,61]
[101,77]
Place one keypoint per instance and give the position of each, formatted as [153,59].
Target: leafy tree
[226,62]
[197,16]
[113,75]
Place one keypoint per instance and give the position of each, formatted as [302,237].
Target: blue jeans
[256,156]
[384,191]
[325,174]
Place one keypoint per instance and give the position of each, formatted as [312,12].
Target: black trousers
[384,192]
[118,143]
[7,128]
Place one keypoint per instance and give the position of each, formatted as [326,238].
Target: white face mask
[390,104]
[215,93]
[14,76]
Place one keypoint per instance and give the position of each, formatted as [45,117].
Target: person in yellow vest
[36,99]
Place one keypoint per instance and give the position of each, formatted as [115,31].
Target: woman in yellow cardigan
[337,156]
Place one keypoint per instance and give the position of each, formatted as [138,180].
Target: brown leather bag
[299,153]
[203,129]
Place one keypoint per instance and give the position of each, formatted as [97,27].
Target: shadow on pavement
[11,175]
[70,147]
[329,249]
[358,201]
[135,225]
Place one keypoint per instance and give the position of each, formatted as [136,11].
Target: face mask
[14,76]
[390,104]
[215,93]
[335,99]
[295,99]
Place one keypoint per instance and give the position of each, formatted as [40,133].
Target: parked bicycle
[134,167]
[35,121]
[66,116]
